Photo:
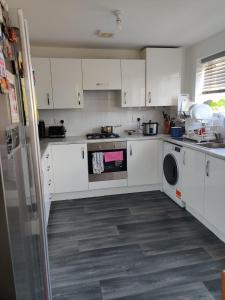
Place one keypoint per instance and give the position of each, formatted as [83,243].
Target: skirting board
[207,224]
[106,192]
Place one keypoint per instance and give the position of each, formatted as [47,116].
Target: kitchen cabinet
[193,178]
[47,181]
[143,162]
[43,84]
[67,83]
[101,74]
[163,76]
[133,82]
[70,168]
[214,192]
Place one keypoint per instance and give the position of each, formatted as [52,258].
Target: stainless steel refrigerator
[24,268]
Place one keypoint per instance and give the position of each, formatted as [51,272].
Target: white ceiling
[145,22]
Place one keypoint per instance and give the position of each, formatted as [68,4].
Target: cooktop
[94,136]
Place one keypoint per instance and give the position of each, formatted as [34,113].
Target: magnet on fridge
[2,65]
[4,86]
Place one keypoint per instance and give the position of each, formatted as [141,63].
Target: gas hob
[95,136]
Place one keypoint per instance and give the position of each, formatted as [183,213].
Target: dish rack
[207,137]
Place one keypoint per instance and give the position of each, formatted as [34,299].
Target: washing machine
[172,172]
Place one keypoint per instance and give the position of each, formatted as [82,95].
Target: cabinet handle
[99,83]
[184,156]
[82,153]
[47,155]
[207,168]
[49,182]
[149,97]
[125,97]
[79,98]
[48,168]
[131,151]
[48,99]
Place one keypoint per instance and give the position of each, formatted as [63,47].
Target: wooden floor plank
[132,246]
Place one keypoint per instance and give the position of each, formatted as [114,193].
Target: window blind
[213,71]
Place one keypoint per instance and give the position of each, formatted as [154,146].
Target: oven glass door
[111,166]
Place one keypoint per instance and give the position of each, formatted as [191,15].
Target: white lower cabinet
[70,168]
[143,162]
[47,181]
[193,177]
[204,189]
[215,193]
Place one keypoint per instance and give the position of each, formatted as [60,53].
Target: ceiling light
[117,14]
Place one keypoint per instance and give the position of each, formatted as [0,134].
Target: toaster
[56,131]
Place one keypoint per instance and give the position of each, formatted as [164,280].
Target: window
[210,81]
[213,74]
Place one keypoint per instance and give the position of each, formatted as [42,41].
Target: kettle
[150,128]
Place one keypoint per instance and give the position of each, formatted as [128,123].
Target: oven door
[113,169]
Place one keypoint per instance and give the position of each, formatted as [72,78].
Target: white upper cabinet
[43,84]
[214,193]
[67,83]
[193,177]
[163,76]
[101,74]
[133,83]
[143,161]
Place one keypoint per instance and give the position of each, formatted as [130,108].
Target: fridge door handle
[131,151]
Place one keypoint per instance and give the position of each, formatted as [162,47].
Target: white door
[215,192]
[143,162]
[193,179]
[163,76]
[101,74]
[67,83]
[70,168]
[43,84]
[133,82]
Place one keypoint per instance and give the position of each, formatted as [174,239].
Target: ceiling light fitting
[117,14]
[108,35]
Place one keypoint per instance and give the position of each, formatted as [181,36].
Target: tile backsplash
[100,108]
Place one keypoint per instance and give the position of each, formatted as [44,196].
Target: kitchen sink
[212,145]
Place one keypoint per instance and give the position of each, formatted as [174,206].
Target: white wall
[198,51]
[101,108]
[61,52]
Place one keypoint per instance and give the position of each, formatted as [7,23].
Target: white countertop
[218,153]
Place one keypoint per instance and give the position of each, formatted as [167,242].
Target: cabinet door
[163,76]
[101,74]
[67,83]
[215,192]
[43,84]
[133,82]
[45,185]
[193,178]
[143,162]
[70,168]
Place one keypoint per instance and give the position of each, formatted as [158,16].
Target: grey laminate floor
[136,246]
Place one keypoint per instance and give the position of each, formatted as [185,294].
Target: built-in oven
[114,160]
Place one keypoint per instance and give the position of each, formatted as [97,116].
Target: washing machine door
[170,169]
